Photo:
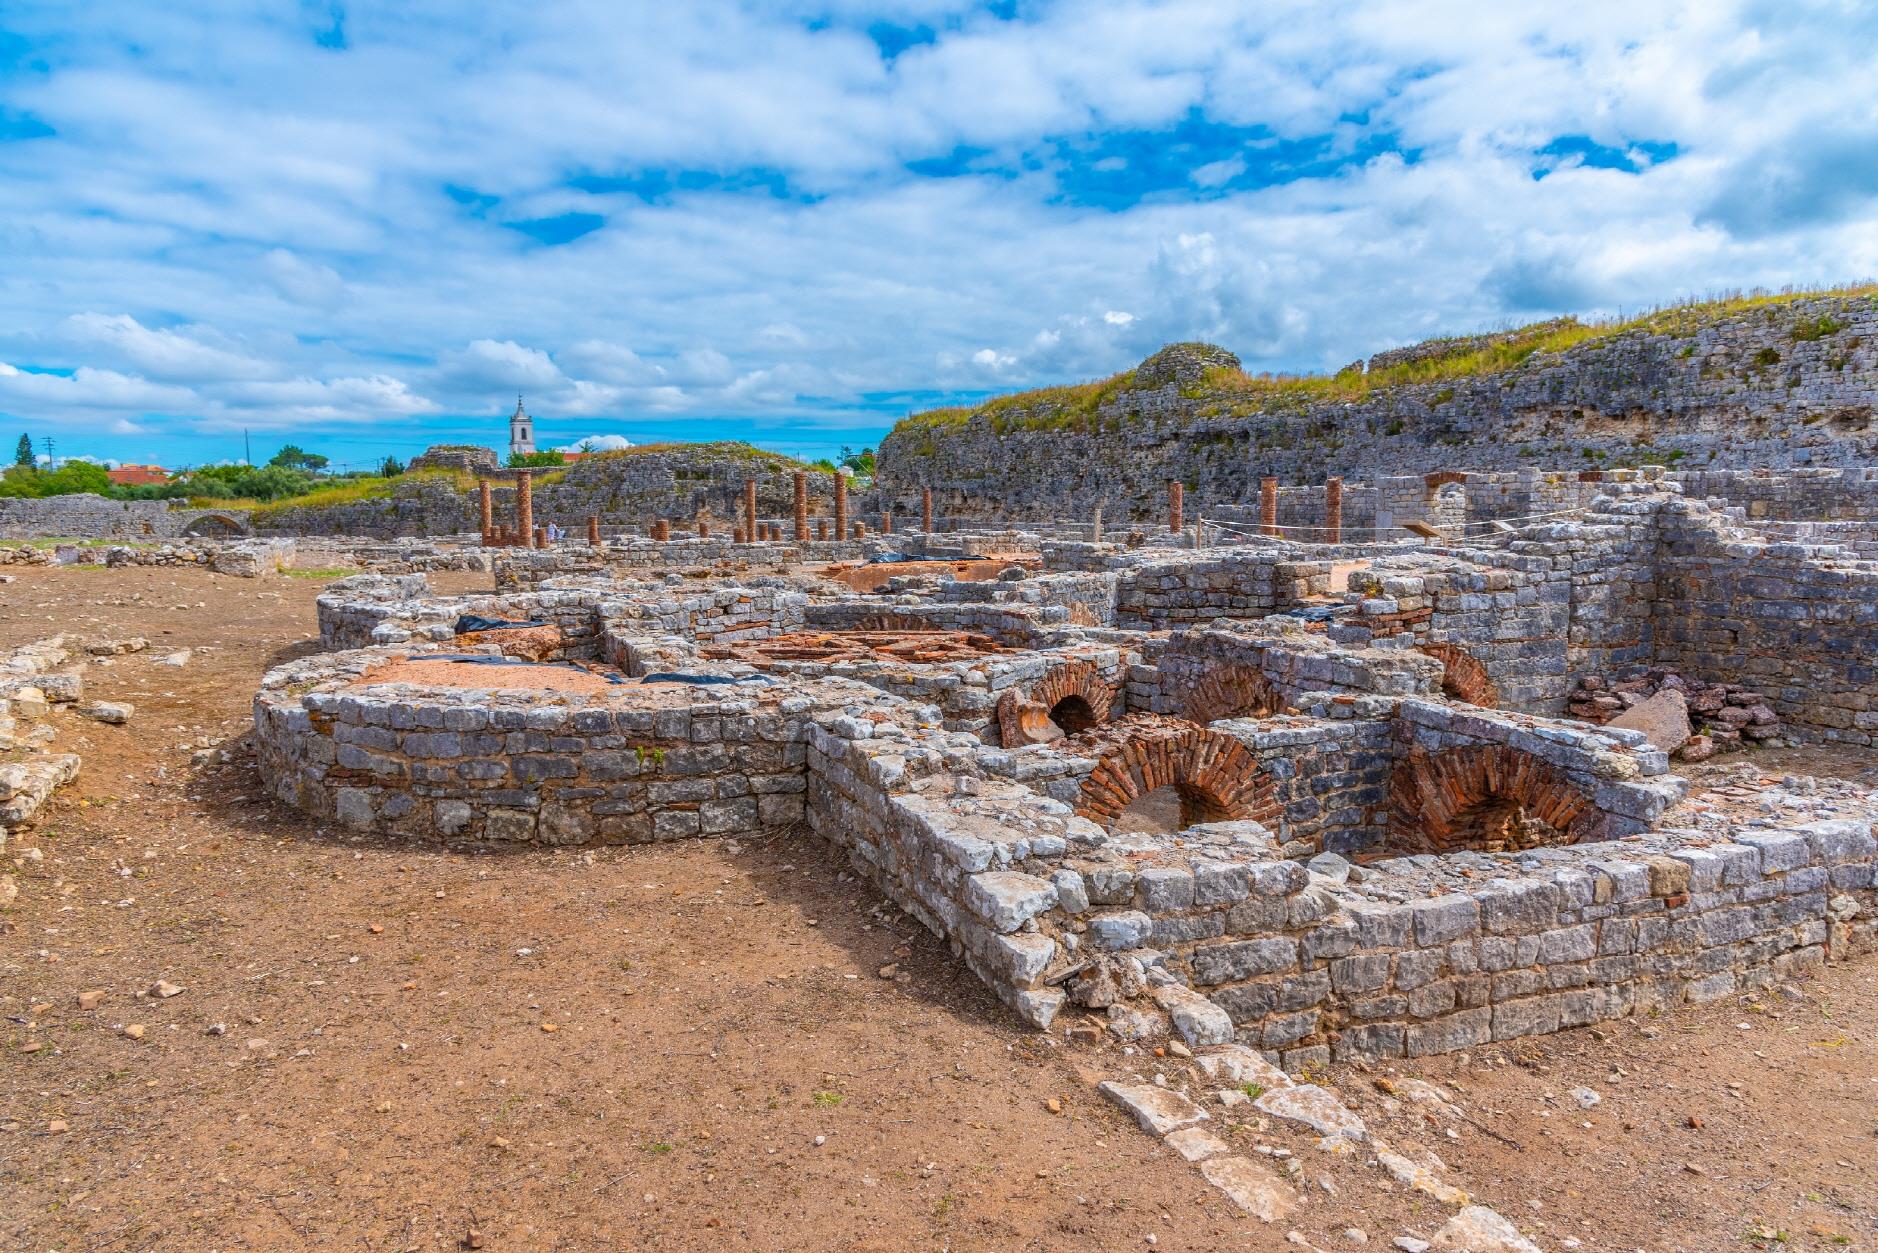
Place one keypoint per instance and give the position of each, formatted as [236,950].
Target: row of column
[1268,508]
[526,534]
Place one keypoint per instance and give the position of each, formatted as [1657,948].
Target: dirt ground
[384,1047]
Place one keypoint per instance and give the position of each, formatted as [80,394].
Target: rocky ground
[715,1044]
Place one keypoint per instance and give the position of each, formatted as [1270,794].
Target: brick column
[925,510]
[593,529]
[739,536]
[1333,511]
[749,508]
[488,504]
[860,530]
[704,527]
[525,507]
[841,505]
[1176,494]
[821,528]
[802,504]
[886,522]
[541,537]
[1268,505]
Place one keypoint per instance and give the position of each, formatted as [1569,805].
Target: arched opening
[1070,699]
[1190,777]
[1073,714]
[1463,678]
[1234,690]
[214,525]
[1484,798]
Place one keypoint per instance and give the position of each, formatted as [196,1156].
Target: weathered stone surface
[1478,1229]
[1158,1110]
[1313,1107]
[1251,1186]
[1663,719]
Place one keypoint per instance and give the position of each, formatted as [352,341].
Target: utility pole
[51,460]
[247,449]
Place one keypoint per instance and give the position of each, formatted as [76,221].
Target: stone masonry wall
[1770,386]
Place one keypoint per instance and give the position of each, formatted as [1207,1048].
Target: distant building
[473,458]
[521,430]
[138,476]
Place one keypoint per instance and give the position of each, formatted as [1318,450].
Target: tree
[294,457]
[73,477]
[23,456]
[392,468]
[526,460]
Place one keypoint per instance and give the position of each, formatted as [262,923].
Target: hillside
[1746,382]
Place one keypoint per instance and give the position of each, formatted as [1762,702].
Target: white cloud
[597,443]
[258,231]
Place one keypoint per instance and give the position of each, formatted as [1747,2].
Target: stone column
[525,507]
[802,505]
[1268,505]
[593,529]
[925,510]
[1333,511]
[841,504]
[749,508]
[1095,528]
[488,503]
[1175,496]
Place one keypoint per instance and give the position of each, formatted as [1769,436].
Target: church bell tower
[521,430]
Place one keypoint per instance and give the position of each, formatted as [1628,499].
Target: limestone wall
[1767,387]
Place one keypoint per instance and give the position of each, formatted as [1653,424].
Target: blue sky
[364,229]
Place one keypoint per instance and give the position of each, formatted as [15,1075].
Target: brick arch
[888,621]
[1485,798]
[1217,778]
[1441,478]
[1234,690]
[1462,675]
[1073,695]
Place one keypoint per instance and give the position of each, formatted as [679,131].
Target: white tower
[521,430]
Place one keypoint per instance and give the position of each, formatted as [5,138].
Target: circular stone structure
[402,741]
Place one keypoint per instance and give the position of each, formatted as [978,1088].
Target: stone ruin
[1323,800]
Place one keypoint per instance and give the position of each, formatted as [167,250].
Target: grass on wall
[1236,390]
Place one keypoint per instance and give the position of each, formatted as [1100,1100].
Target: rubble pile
[1723,716]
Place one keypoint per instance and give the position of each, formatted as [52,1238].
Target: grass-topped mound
[1205,372]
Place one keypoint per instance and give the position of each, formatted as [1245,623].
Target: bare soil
[391,1047]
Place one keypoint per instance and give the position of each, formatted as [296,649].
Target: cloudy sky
[364,228]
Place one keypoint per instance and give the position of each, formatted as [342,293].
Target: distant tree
[75,476]
[862,463]
[526,460]
[392,468]
[294,457]
[23,456]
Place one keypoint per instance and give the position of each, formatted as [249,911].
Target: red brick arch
[1234,690]
[889,621]
[1073,693]
[1462,675]
[1217,778]
[1485,798]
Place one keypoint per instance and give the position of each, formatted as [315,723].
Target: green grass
[1235,391]
[373,487]
[327,572]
